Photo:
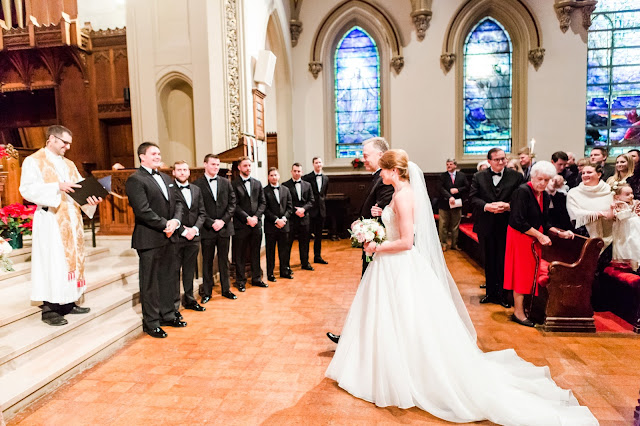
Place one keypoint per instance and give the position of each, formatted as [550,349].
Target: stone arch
[176,125]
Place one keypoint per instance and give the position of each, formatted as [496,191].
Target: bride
[409,341]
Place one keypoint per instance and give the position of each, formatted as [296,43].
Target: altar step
[36,358]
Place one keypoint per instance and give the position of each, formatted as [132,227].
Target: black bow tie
[318,174]
[495,173]
[155,172]
[212,179]
[297,181]
[275,187]
[185,186]
[246,180]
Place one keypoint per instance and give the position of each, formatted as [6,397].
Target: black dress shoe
[289,271]
[486,299]
[287,276]
[196,307]
[205,299]
[77,310]
[174,323]
[178,315]
[307,267]
[333,337]
[526,322]
[55,320]
[504,304]
[241,288]
[157,332]
[271,278]
[229,295]
[483,286]
[320,260]
[260,284]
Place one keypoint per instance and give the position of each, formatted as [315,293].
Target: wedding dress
[408,341]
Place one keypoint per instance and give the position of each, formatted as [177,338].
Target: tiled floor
[261,360]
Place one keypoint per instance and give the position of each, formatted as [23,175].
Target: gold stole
[73,250]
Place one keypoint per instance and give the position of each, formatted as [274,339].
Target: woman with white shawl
[589,204]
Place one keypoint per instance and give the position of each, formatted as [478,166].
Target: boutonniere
[170,185]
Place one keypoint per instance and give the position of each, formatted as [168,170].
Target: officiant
[57,254]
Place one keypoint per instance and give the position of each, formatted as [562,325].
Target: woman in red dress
[528,224]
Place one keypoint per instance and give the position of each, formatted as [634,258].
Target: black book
[89,187]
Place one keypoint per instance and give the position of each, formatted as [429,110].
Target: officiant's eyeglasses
[62,140]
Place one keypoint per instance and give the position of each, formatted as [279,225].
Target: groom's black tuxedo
[152,211]
[492,227]
[380,195]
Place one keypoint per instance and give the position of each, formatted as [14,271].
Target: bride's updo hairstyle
[398,159]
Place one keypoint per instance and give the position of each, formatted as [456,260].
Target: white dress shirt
[158,179]
[298,186]
[213,184]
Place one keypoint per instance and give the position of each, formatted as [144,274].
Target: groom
[379,194]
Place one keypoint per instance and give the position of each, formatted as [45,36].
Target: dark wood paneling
[119,137]
[272,149]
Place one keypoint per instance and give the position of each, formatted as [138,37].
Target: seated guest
[589,204]
[526,162]
[558,214]
[624,170]
[514,164]
[482,165]
[453,186]
[276,224]
[599,156]
[528,223]
[626,227]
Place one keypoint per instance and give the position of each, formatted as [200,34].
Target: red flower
[17,218]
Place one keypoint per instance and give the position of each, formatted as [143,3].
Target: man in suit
[526,162]
[318,212]
[220,204]
[302,200]
[187,238]
[250,205]
[453,186]
[490,194]
[379,195]
[276,225]
[158,212]
[598,155]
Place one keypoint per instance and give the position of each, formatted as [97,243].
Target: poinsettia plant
[357,163]
[3,152]
[17,218]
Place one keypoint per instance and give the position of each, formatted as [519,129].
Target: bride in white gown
[409,341]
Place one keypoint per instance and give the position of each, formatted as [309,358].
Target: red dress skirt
[521,262]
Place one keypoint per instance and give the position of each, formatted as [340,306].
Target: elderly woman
[589,204]
[514,164]
[484,164]
[624,170]
[528,224]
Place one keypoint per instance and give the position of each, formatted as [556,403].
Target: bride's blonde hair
[396,159]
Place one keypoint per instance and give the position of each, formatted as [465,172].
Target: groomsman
[302,199]
[250,205]
[187,237]
[490,195]
[276,225]
[158,211]
[220,204]
[318,212]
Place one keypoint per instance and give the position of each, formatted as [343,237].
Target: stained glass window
[487,88]
[613,77]
[357,92]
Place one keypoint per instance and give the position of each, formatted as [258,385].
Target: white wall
[102,14]
[422,97]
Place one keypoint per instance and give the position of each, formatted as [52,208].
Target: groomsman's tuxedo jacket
[248,205]
[379,194]
[223,208]
[192,216]
[306,201]
[319,207]
[151,209]
[276,210]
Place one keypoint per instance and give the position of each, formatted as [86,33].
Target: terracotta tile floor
[261,360]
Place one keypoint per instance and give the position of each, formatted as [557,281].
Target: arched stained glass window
[613,77]
[487,88]
[357,92]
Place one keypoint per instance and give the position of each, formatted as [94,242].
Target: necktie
[453,178]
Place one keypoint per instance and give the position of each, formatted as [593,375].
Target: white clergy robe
[50,275]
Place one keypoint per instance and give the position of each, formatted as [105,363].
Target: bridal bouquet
[5,263]
[365,231]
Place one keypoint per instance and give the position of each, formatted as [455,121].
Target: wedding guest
[589,204]
[599,156]
[186,239]
[453,188]
[626,227]
[220,204]
[158,211]
[250,205]
[526,162]
[635,154]
[276,225]
[580,165]
[624,170]
[558,214]
[318,212]
[302,201]
[634,180]
[560,161]
[528,223]
[490,195]
[514,164]
[482,165]
[57,253]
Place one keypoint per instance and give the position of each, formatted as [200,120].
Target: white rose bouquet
[365,231]
[5,263]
